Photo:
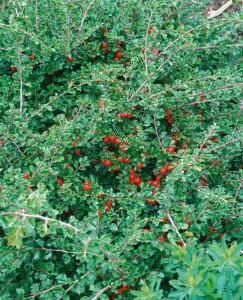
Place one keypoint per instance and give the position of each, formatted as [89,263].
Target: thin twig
[45,219]
[97,296]
[174,226]
[157,133]
[20,80]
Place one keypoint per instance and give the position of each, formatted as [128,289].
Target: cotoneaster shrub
[120,151]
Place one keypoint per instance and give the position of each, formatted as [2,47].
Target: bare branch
[45,219]
[174,226]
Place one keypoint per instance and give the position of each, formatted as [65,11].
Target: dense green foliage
[120,151]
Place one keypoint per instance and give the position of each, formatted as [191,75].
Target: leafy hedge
[120,151]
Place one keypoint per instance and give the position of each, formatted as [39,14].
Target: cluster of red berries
[124,160]
[2,142]
[118,55]
[203,182]
[134,179]
[152,202]
[168,116]
[108,205]
[111,139]
[162,239]
[106,162]
[123,289]
[124,115]
[188,221]
[87,186]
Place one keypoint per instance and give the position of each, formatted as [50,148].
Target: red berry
[26,176]
[132,171]
[77,152]
[72,143]
[183,146]
[210,229]
[108,203]
[163,171]
[171,149]
[2,142]
[29,187]
[127,64]
[60,181]
[34,66]
[116,58]
[105,30]
[164,220]
[86,187]
[95,131]
[169,167]
[31,57]
[106,139]
[168,112]
[214,140]
[214,162]
[162,239]
[14,69]
[68,166]
[202,182]
[101,195]
[118,54]
[105,51]
[70,59]
[180,243]
[137,180]
[140,165]
[143,51]
[104,45]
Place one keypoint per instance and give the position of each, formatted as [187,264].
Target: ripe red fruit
[101,195]
[104,45]
[164,220]
[29,187]
[86,188]
[155,51]
[105,30]
[116,58]
[108,203]
[106,162]
[72,143]
[132,171]
[31,57]
[214,140]
[77,152]
[201,97]
[143,51]
[2,142]
[137,180]
[163,171]
[162,239]
[101,103]
[26,176]
[202,182]
[140,165]
[118,54]
[169,167]
[180,243]
[214,162]
[70,59]
[168,112]
[127,64]
[183,146]
[171,149]
[210,229]
[14,69]
[68,166]
[105,51]
[60,181]
[154,192]
[34,66]
[145,231]
[106,139]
